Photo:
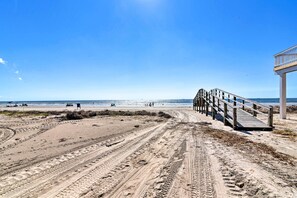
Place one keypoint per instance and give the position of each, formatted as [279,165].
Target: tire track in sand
[140,170]
[6,133]
[202,183]
[80,183]
[53,173]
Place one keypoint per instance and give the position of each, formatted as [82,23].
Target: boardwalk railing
[234,109]
[286,57]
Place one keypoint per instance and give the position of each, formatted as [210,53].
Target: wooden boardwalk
[236,111]
[246,121]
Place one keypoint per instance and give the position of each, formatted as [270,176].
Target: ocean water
[274,101]
[107,103]
[135,103]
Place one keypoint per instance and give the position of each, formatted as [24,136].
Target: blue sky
[142,49]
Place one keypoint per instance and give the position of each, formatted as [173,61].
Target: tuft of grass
[75,115]
[62,140]
[246,145]
[165,115]
[26,113]
[286,132]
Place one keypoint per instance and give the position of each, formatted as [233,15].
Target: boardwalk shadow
[246,132]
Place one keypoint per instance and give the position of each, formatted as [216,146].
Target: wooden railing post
[203,105]
[234,100]
[270,116]
[206,112]
[200,104]
[206,103]
[225,114]
[242,104]
[196,104]
[213,108]
[201,109]
[228,97]
[254,112]
[234,118]
[218,105]
[223,95]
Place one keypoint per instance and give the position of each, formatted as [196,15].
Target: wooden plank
[245,120]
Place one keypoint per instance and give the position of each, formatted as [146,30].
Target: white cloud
[20,78]
[2,61]
[17,72]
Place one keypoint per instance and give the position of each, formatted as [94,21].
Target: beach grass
[246,145]
[76,115]
[286,132]
[25,113]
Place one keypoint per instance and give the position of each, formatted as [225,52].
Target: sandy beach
[148,99]
[187,155]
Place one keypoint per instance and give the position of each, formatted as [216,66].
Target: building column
[283,97]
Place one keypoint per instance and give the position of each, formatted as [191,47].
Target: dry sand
[189,155]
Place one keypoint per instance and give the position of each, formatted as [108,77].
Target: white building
[285,62]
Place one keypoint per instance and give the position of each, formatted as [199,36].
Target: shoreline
[86,108]
[290,108]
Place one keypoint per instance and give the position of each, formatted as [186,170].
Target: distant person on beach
[78,106]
